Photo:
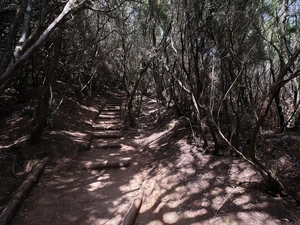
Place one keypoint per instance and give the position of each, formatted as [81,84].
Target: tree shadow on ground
[189,187]
[69,194]
[181,184]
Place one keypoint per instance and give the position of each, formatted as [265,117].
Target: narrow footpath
[112,166]
[97,187]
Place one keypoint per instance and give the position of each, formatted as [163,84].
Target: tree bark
[42,111]
[10,40]
[132,95]
[7,77]
[279,82]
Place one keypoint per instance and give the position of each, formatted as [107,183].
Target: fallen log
[21,193]
[107,127]
[133,211]
[106,164]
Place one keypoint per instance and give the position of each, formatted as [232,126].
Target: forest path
[181,185]
[67,193]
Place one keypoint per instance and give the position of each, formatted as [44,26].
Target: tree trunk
[132,95]
[7,77]
[279,111]
[42,111]
[279,82]
[275,88]
[6,58]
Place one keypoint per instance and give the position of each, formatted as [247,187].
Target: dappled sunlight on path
[67,193]
[176,182]
[188,187]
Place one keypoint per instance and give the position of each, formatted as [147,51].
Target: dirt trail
[69,194]
[181,184]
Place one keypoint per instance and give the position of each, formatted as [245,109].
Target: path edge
[133,211]
[8,212]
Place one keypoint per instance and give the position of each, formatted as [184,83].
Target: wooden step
[114,103]
[107,135]
[108,116]
[100,143]
[117,107]
[111,109]
[107,121]
[106,164]
[110,113]
[108,127]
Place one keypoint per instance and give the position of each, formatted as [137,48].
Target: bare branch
[7,77]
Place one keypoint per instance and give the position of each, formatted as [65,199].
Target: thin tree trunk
[42,112]
[7,77]
[279,82]
[269,176]
[10,41]
[279,111]
[130,102]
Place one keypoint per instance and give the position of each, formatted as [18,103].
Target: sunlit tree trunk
[11,71]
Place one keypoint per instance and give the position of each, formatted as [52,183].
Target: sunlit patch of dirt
[187,186]
[181,184]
